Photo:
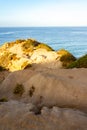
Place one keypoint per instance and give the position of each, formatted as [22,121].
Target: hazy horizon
[43,26]
[47,13]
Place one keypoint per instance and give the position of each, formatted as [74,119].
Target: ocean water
[74,39]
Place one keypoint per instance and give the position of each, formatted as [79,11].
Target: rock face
[64,88]
[17,55]
[52,99]
[15,115]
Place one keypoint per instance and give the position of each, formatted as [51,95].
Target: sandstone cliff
[20,54]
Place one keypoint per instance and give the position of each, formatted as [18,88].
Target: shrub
[26,65]
[44,46]
[19,89]
[13,57]
[5,59]
[66,57]
[31,91]
[79,63]
[4,100]
[2,68]
[31,44]
[19,41]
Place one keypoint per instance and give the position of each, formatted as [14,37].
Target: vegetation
[14,57]
[2,68]
[30,45]
[3,100]
[66,57]
[44,46]
[5,60]
[18,41]
[79,63]
[19,89]
[26,65]
[11,44]
[31,91]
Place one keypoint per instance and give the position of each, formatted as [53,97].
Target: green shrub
[66,57]
[79,63]
[44,46]
[19,89]
[31,44]
[4,100]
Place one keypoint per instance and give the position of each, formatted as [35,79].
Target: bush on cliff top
[80,63]
[66,57]
[30,45]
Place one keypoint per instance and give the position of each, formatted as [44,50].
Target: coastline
[69,38]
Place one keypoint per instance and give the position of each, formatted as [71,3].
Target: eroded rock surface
[16,115]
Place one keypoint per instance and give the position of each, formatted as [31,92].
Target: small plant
[26,65]
[44,46]
[31,91]
[13,57]
[19,89]
[19,41]
[3,100]
[2,68]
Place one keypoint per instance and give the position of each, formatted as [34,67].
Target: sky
[14,13]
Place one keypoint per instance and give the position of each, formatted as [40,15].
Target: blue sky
[43,13]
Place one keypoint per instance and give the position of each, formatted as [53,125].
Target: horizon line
[38,26]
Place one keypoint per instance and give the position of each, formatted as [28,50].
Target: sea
[73,39]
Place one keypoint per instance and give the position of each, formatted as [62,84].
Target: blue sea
[73,39]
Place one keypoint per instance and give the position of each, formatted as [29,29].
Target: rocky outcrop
[41,98]
[22,53]
[16,115]
[42,86]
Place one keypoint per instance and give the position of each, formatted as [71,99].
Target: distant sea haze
[73,39]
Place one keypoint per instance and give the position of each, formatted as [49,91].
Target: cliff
[20,54]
